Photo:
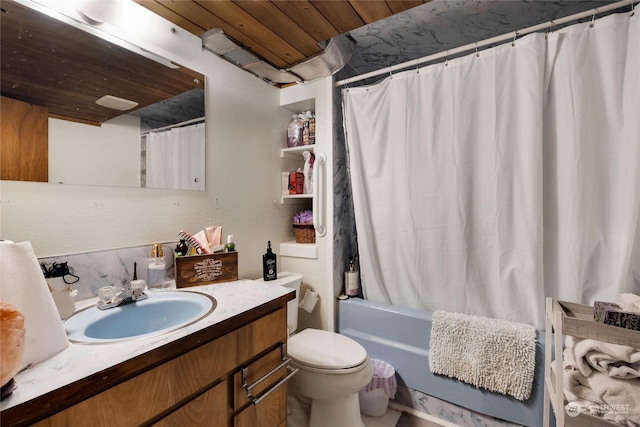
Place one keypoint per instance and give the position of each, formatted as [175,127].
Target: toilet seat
[320,350]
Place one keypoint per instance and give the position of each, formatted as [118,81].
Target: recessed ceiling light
[116,103]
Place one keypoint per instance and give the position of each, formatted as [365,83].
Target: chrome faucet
[131,292]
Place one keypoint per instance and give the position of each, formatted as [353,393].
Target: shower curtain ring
[593,18]
[633,5]
[551,25]
[515,36]
[477,54]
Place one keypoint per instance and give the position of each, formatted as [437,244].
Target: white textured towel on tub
[494,354]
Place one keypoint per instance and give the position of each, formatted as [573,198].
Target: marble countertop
[79,361]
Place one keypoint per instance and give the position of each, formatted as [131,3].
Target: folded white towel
[614,360]
[613,399]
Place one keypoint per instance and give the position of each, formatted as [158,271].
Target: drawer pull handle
[292,372]
[248,388]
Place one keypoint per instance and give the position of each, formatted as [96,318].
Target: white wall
[242,186]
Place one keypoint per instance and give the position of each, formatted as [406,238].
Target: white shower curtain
[175,158]
[484,184]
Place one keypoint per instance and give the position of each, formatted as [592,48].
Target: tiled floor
[390,419]
[394,418]
[298,417]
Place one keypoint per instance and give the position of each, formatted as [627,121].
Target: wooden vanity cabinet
[198,388]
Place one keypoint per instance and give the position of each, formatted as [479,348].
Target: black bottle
[182,249]
[269,270]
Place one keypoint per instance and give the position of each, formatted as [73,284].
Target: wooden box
[196,270]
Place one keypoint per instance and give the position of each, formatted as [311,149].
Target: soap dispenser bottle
[269,270]
[156,268]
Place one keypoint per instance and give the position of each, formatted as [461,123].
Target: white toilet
[333,368]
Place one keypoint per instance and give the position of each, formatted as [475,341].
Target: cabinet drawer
[260,388]
[269,412]
[208,409]
[261,375]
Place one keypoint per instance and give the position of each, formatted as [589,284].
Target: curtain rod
[492,40]
[177,125]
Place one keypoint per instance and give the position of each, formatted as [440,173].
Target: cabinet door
[271,411]
[24,138]
[208,409]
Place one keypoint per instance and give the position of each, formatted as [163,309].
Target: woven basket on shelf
[304,232]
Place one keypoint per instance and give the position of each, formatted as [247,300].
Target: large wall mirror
[147,131]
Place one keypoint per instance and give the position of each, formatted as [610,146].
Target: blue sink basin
[160,313]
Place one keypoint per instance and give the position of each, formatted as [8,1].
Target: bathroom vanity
[198,375]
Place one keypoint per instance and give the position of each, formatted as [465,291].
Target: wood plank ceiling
[281,32]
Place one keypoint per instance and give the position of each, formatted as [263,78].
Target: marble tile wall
[345,238]
[446,411]
[108,267]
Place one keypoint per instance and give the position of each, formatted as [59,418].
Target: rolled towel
[614,360]
[629,302]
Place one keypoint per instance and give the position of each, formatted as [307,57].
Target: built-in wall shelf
[299,250]
[295,152]
[291,198]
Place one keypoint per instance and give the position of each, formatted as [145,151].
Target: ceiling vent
[116,103]
[334,57]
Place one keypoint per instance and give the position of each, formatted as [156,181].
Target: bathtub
[400,337]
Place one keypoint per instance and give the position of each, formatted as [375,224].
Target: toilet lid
[326,350]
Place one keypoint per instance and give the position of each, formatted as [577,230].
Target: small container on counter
[156,268]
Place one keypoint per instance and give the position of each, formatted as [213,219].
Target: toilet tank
[293,281]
